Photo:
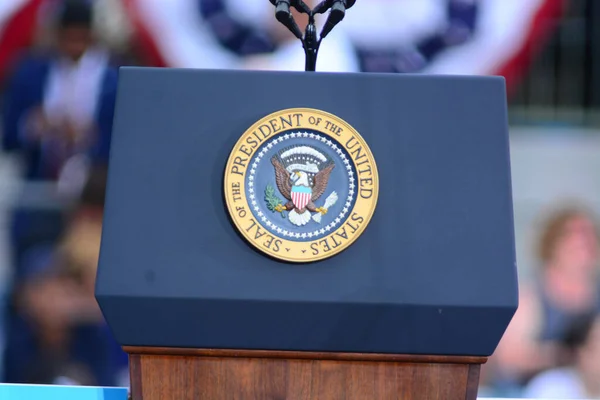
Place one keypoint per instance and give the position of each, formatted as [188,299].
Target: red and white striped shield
[301,196]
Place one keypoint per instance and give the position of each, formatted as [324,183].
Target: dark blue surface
[434,272]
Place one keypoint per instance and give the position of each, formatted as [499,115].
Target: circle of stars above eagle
[300,190]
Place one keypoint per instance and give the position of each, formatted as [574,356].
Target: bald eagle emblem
[298,192]
[302,174]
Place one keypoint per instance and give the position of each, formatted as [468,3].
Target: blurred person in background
[569,284]
[566,289]
[57,116]
[580,378]
[58,335]
[58,112]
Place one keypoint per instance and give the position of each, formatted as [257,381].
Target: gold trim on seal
[280,246]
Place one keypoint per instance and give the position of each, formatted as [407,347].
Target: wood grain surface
[159,374]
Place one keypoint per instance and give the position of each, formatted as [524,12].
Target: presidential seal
[301,185]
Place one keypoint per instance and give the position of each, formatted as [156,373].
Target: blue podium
[413,305]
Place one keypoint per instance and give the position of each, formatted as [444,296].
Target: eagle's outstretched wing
[321,179]
[282,178]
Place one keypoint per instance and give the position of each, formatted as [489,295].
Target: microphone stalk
[311,41]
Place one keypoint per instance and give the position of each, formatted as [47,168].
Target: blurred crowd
[57,113]
[58,96]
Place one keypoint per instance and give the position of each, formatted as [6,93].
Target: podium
[409,310]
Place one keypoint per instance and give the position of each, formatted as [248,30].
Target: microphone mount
[311,41]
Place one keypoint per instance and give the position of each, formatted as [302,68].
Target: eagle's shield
[301,195]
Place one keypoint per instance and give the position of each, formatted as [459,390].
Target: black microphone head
[292,3]
[276,2]
[282,10]
[336,14]
[323,6]
[349,3]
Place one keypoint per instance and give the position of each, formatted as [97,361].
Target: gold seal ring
[301,185]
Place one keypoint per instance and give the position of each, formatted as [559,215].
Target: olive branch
[272,200]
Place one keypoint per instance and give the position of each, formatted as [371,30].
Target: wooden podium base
[181,374]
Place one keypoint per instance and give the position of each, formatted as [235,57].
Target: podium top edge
[318,73]
[305,355]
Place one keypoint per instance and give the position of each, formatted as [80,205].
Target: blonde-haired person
[566,287]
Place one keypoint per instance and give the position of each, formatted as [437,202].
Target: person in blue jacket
[60,103]
[58,112]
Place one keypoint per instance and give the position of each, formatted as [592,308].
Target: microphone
[284,15]
[336,15]
[328,4]
[311,42]
[301,7]
[283,6]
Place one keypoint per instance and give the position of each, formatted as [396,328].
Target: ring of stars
[351,186]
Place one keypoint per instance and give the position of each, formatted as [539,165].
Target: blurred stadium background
[548,51]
